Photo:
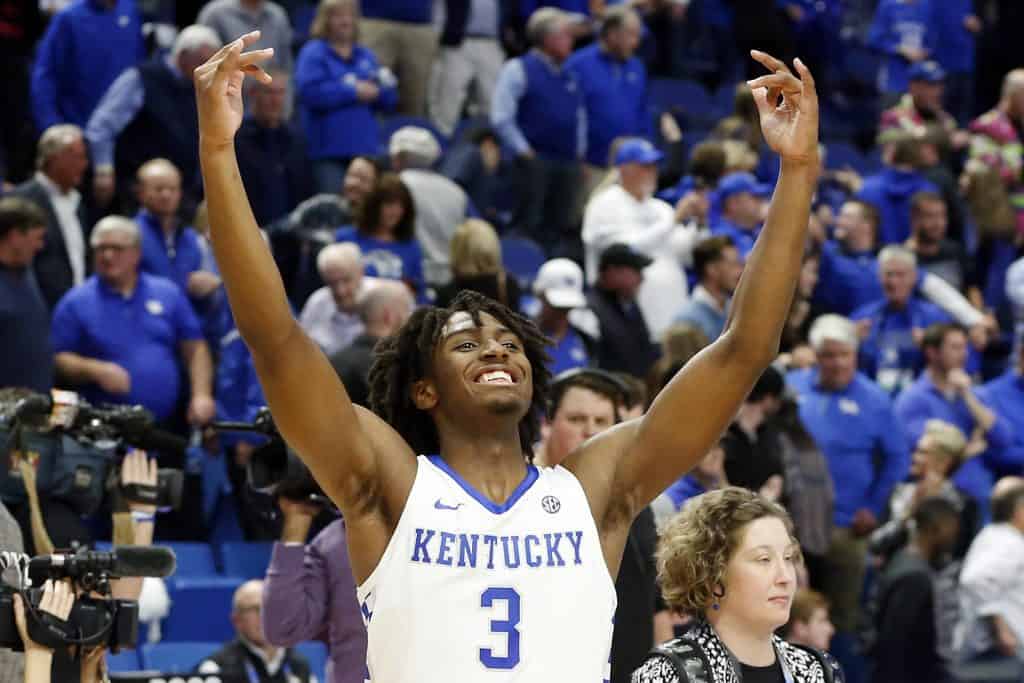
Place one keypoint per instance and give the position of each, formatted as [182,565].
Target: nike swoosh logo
[438,505]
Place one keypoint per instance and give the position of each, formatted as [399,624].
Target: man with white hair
[441,205]
[539,112]
[891,328]
[128,337]
[852,421]
[996,140]
[61,160]
[331,314]
[150,112]
[86,46]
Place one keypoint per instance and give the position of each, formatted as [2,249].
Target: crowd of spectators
[405,147]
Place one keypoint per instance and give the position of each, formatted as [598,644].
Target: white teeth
[495,377]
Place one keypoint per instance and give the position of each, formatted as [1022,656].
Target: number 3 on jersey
[506,627]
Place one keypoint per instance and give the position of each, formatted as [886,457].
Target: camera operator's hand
[298,517]
[58,598]
[201,410]
[138,468]
[112,378]
[93,665]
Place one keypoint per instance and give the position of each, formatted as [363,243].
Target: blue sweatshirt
[923,402]
[1005,395]
[336,123]
[954,44]
[900,23]
[86,47]
[615,95]
[864,445]
[392,260]
[890,192]
[888,354]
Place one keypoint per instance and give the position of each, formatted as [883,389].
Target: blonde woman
[729,560]
[340,88]
[476,265]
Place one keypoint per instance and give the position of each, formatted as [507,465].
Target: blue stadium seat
[522,258]
[176,658]
[692,97]
[194,559]
[316,653]
[200,609]
[248,560]
[841,154]
[123,661]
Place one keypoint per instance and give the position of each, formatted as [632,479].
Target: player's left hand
[789,124]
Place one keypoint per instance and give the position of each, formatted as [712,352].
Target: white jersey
[468,590]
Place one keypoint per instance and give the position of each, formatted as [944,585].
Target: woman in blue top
[340,88]
[384,233]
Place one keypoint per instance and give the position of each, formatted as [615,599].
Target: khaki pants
[409,51]
[843,578]
[471,69]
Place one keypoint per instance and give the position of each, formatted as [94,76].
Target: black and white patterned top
[701,652]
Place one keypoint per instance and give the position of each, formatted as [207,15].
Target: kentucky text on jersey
[487,551]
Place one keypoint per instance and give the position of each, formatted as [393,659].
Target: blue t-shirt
[392,260]
[568,353]
[141,333]
[174,259]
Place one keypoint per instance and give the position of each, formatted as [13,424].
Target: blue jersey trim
[524,486]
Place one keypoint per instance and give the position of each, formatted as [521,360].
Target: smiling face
[760,578]
[477,367]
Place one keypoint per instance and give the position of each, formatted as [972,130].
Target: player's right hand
[218,84]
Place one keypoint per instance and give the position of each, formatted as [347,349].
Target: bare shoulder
[596,464]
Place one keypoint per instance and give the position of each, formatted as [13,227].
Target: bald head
[247,596]
[246,607]
[1008,501]
[159,188]
[386,307]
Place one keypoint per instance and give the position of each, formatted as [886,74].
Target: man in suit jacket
[60,164]
[625,344]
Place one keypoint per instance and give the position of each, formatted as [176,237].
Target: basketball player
[471,563]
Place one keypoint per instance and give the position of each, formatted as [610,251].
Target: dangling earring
[719,593]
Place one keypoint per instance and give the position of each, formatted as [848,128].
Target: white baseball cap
[415,140]
[560,282]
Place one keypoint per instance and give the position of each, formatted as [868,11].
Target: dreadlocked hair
[405,357]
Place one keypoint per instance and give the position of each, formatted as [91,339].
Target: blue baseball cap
[734,183]
[637,151]
[929,71]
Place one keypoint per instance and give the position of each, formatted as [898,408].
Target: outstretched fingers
[806,79]
[767,61]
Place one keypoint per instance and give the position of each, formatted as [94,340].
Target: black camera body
[77,449]
[110,623]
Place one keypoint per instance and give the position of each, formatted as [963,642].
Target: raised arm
[360,462]
[636,462]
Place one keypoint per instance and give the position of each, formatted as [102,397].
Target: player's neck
[492,463]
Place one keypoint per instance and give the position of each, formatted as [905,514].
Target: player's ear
[423,394]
